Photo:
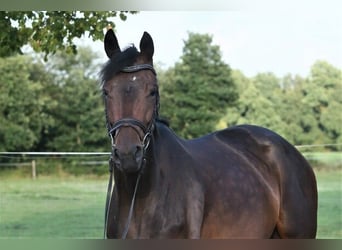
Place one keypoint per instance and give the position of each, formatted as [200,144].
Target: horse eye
[104,93]
[153,92]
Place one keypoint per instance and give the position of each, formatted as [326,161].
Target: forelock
[121,60]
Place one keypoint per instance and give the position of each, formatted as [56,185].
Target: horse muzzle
[128,161]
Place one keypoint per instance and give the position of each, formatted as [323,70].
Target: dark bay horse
[240,182]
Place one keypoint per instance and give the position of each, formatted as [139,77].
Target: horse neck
[155,170]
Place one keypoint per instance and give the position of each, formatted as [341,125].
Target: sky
[282,41]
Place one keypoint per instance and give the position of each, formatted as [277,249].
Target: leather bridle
[113,131]
[133,123]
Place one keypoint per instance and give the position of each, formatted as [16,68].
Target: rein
[112,131]
[109,198]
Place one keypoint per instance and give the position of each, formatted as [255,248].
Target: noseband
[133,123]
[113,131]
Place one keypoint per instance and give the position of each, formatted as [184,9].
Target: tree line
[201,94]
[56,105]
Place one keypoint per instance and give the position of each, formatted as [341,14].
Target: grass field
[329,204]
[70,207]
[52,208]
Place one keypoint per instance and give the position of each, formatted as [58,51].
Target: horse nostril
[138,153]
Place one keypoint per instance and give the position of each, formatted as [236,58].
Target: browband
[138,67]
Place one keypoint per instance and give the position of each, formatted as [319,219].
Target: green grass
[52,208]
[329,204]
[73,207]
[326,160]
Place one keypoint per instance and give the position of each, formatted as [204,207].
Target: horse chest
[162,218]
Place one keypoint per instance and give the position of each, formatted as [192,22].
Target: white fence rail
[33,155]
[54,153]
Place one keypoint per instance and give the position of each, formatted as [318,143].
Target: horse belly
[240,208]
[247,222]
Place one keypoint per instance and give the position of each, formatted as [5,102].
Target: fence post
[34,169]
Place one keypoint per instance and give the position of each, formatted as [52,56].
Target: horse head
[131,98]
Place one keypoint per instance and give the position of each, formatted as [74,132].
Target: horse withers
[241,182]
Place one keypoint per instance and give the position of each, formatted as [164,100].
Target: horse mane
[163,121]
[114,65]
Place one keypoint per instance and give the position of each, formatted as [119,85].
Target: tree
[269,86]
[255,104]
[21,104]
[303,110]
[49,31]
[298,121]
[51,106]
[198,89]
[322,93]
[78,113]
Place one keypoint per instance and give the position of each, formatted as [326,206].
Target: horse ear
[147,47]
[111,44]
